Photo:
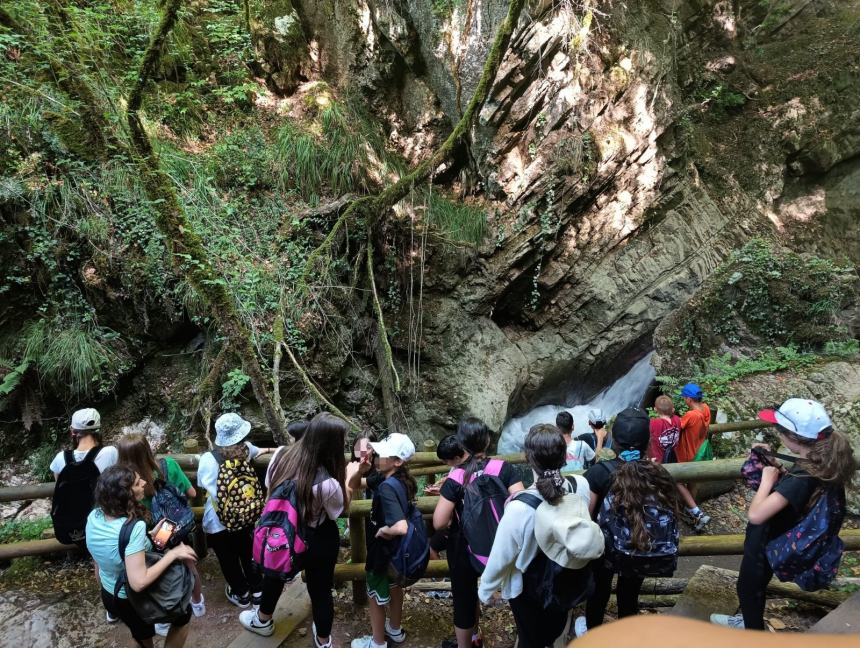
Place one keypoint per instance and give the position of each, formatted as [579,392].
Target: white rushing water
[624,392]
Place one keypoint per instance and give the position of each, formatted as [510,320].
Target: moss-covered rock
[280,46]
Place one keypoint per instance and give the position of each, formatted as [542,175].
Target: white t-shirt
[207,478]
[106,458]
[328,495]
[578,453]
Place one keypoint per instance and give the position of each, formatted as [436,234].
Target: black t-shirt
[385,510]
[798,487]
[599,478]
[454,492]
[373,479]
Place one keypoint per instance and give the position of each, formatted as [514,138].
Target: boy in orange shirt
[694,432]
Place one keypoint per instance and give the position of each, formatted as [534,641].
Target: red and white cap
[806,418]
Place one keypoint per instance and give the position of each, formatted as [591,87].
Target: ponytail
[402,473]
[474,435]
[545,451]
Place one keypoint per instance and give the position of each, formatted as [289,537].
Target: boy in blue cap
[694,433]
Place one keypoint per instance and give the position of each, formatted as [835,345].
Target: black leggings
[754,576]
[233,549]
[626,593]
[323,548]
[536,627]
[464,583]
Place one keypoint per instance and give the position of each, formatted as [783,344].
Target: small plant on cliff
[232,388]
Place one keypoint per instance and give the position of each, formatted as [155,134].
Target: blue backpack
[412,554]
[809,553]
[169,503]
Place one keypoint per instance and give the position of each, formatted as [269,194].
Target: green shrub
[456,220]
[23,530]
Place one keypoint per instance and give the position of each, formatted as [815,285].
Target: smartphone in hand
[164,532]
[363,448]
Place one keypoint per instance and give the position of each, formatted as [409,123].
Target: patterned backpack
[809,553]
[240,496]
[168,502]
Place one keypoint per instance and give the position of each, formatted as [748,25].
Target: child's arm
[766,504]
[503,556]
[396,529]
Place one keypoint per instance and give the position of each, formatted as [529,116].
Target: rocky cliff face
[624,151]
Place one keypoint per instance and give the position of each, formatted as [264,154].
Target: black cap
[631,429]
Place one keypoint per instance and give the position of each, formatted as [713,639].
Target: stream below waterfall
[624,392]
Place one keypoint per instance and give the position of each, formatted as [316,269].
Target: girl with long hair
[118,498]
[632,480]
[515,546]
[135,452]
[474,436]
[317,465]
[825,465]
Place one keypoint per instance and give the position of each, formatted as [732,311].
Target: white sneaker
[733,621]
[250,621]
[235,599]
[199,608]
[317,643]
[398,636]
[366,642]
[161,629]
[580,627]
[110,618]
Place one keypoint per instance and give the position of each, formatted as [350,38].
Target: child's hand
[383,534]
[601,433]
[759,444]
[769,475]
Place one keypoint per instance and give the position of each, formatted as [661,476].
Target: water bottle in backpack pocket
[412,554]
[809,553]
[169,503]
[240,495]
[484,500]
[660,558]
[168,597]
[281,536]
[73,496]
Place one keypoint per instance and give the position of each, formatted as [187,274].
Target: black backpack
[550,585]
[484,500]
[168,597]
[73,496]
[169,503]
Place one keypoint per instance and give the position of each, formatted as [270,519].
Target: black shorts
[140,630]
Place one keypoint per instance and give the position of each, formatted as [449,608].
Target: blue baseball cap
[692,390]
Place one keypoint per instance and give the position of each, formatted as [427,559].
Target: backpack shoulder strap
[458,475]
[92,454]
[571,479]
[400,489]
[69,456]
[527,498]
[219,457]
[125,536]
[493,467]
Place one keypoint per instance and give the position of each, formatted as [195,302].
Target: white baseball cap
[395,445]
[804,417]
[596,416]
[230,428]
[86,419]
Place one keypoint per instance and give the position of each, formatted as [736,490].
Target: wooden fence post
[358,554]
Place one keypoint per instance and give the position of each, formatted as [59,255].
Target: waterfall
[624,392]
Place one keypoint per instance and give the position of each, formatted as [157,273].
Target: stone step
[710,590]
[845,619]
[291,611]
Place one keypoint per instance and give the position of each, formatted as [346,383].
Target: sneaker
[701,520]
[452,643]
[317,643]
[580,627]
[397,637]
[199,608]
[110,618]
[256,597]
[365,642]
[735,621]
[238,601]
[161,629]
[250,621]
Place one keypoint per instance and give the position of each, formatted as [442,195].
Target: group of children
[544,549]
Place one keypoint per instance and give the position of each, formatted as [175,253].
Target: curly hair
[637,483]
[114,495]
